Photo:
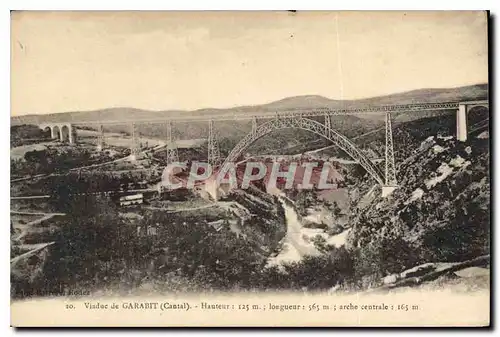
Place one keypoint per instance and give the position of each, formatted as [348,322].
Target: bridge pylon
[254,125]
[214,157]
[328,124]
[172,154]
[462,112]
[100,138]
[390,166]
[134,147]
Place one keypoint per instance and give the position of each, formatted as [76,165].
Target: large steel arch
[312,126]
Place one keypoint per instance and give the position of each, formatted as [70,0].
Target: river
[297,242]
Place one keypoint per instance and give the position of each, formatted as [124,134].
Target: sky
[74,61]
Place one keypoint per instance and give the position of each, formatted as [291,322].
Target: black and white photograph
[250,168]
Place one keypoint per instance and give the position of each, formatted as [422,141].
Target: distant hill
[472,92]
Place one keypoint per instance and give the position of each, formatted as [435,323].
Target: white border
[253,5]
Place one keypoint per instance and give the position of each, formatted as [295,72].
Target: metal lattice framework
[298,112]
[135,148]
[309,125]
[390,166]
[172,154]
[328,121]
[214,157]
[100,137]
[254,125]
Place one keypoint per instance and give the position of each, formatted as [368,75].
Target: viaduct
[264,123]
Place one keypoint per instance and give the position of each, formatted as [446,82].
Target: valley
[103,214]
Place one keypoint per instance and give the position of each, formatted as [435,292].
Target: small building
[134,199]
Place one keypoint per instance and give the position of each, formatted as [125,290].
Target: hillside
[288,141]
[437,218]
[472,92]
[439,213]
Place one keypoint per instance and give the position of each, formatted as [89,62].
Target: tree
[305,199]
[383,256]
[336,210]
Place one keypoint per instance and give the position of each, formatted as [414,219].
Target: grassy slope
[441,220]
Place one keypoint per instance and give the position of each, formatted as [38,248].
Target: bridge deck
[194,116]
[290,113]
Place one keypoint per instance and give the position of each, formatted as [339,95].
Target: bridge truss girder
[309,125]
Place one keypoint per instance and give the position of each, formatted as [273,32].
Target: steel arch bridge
[310,125]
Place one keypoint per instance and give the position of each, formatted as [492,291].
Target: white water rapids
[297,241]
